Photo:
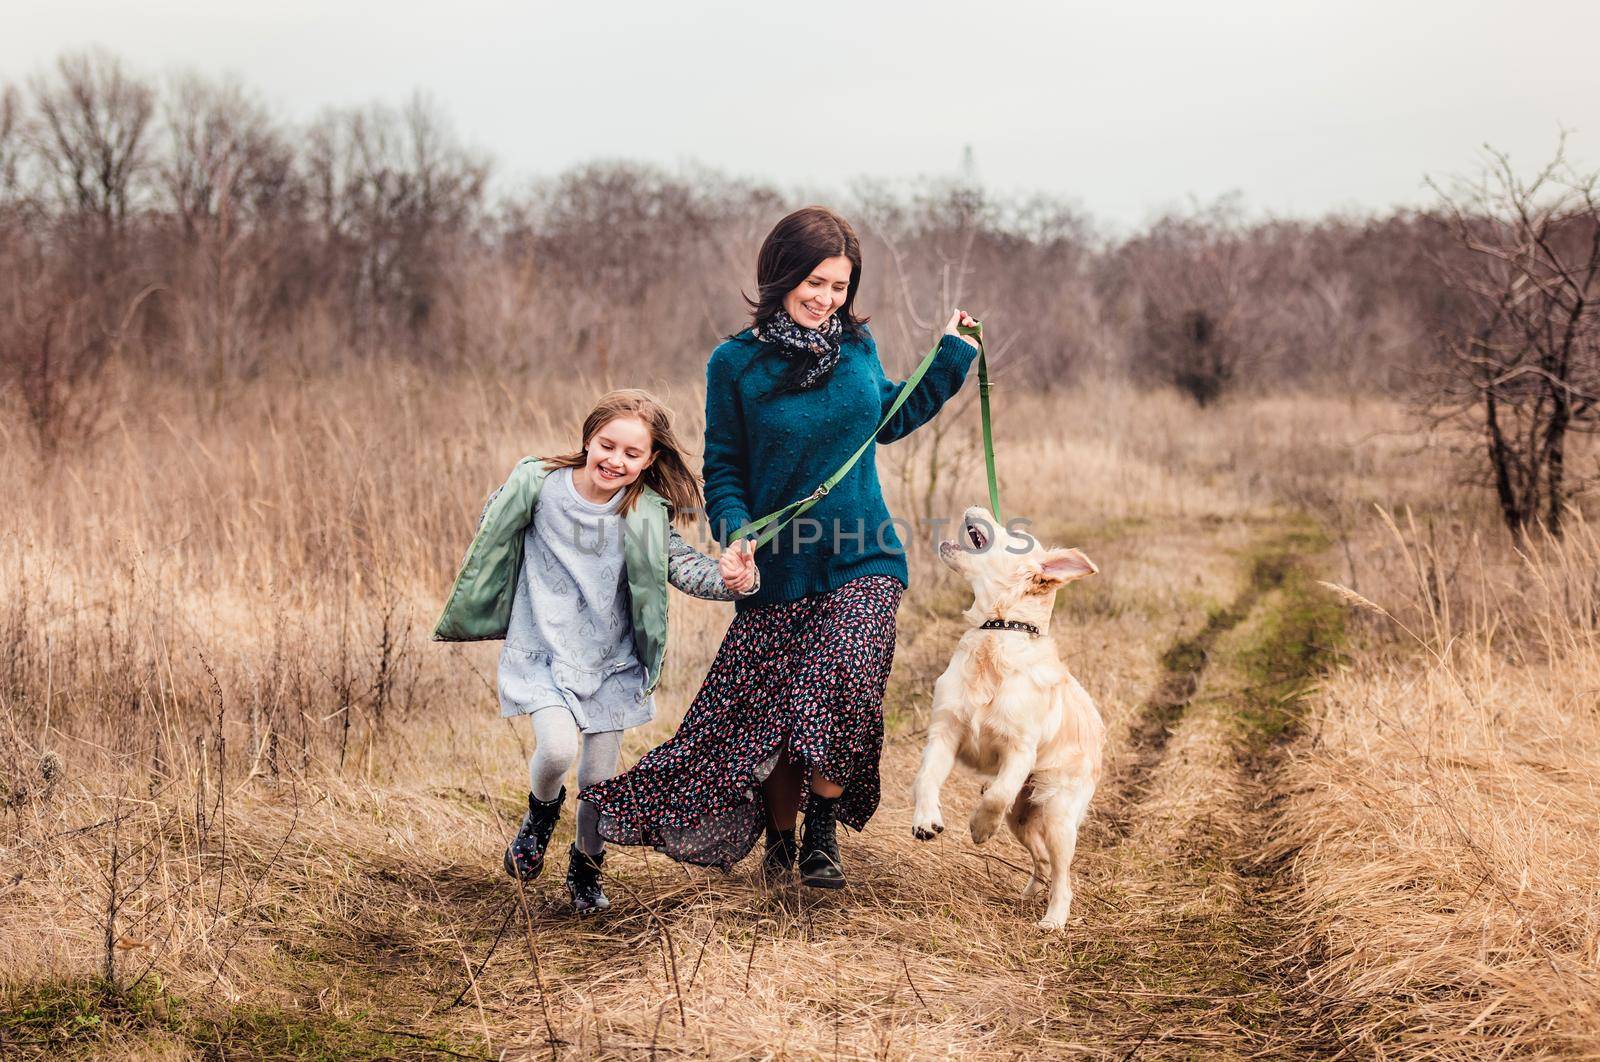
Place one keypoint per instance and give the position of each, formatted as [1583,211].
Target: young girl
[570,566]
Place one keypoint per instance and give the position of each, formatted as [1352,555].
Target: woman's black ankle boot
[820,866]
[778,860]
[583,882]
[525,854]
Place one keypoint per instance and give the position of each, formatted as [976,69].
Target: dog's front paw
[927,826]
[1052,924]
[984,822]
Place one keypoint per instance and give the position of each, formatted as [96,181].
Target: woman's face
[821,293]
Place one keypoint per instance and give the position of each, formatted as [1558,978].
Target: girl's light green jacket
[479,605]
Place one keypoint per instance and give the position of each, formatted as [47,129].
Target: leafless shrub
[1353,303]
[1024,267]
[1526,363]
[1193,277]
[637,263]
[131,859]
[61,353]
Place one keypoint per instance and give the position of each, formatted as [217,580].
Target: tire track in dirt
[1182,667]
[1198,929]
[1281,668]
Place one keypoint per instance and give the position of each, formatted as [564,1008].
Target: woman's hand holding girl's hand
[961,318]
[738,567]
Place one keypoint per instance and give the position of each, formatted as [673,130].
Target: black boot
[778,860]
[583,882]
[525,854]
[820,866]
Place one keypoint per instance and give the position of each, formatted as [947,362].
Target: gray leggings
[556,735]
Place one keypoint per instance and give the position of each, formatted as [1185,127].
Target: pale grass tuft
[1350,597]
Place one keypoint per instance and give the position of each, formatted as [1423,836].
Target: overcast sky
[1126,108]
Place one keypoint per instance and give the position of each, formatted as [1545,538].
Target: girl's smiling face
[619,451]
[821,293]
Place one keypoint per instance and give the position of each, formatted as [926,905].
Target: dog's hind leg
[1058,824]
[1078,806]
[1023,820]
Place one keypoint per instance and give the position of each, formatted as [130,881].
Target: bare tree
[388,190]
[224,157]
[94,117]
[10,145]
[228,178]
[617,226]
[613,237]
[1527,359]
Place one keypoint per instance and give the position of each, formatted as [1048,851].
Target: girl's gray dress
[570,637]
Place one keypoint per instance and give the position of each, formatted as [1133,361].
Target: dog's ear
[1059,567]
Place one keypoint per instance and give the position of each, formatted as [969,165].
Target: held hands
[961,318]
[738,567]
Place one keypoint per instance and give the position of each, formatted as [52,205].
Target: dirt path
[1176,948]
[1191,950]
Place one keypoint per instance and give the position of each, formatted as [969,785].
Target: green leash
[775,521]
[984,387]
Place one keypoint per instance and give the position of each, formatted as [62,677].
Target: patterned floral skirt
[806,676]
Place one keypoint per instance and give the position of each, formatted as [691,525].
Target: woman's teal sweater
[765,451]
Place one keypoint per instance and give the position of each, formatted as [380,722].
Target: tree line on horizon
[178,227]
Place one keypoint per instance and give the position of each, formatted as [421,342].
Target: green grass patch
[73,1018]
[1300,632]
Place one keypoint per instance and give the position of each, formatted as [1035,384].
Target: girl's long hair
[790,252]
[667,475]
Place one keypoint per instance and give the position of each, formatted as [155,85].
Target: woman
[793,703]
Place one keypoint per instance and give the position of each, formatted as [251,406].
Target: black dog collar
[1008,625]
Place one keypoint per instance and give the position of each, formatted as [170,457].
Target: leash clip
[820,492]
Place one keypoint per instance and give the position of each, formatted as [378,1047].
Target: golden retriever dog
[1010,710]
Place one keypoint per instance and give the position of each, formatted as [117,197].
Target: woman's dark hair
[790,252]
[793,249]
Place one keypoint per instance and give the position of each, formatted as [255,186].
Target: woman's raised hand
[961,318]
[738,567]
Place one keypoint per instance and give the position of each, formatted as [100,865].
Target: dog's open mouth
[975,536]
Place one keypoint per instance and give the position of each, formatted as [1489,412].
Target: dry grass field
[250,811]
